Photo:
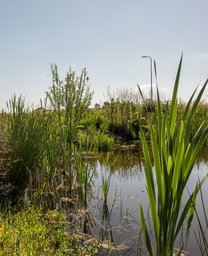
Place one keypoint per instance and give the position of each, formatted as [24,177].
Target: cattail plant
[174,152]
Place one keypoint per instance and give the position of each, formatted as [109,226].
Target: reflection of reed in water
[128,164]
[203,156]
[201,232]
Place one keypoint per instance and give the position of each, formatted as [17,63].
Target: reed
[106,185]
[26,141]
[174,152]
[84,175]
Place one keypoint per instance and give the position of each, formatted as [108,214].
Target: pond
[117,220]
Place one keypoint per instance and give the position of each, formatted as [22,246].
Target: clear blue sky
[108,37]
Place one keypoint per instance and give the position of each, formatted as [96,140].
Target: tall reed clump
[105,186]
[85,174]
[25,139]
[174,153]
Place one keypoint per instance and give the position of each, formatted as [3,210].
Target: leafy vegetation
[45,156]
[32,232]
[174,153]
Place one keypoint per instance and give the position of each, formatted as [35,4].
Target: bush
[105,143]
[31,232]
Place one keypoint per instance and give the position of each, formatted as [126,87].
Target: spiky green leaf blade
[183,216]
[174,105]
[196,102]
[188,209]
[178,160]
[159,110]
[146,235]
[191,212]
[148,163]
[189,113]
[150,186]
[157,163]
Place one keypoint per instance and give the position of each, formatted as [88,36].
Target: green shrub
[31,232]
[104,142]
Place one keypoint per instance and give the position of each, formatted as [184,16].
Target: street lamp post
[151,90]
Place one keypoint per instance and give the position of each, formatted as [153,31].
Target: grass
[25,140]
[174,153]
[85,175]
[105,185]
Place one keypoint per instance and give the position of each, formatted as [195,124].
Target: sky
[108,38]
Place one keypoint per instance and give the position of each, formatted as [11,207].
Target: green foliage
[70,99]
[84,177]
[94,120]
[124,118]
[104,142]
[73,96]
[96,141]
[106,185]
[174,153]
[32,232]
[25,140]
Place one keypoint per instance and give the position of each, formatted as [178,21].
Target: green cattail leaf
[178,160]
[189,208]
[150,186]
[157,163]
[149,175]
[146,235]
[174,104]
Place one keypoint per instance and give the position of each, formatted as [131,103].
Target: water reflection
[128,180]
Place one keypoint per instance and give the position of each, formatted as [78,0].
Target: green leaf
[146,235]
[174,105]
[189,208]
[157,163]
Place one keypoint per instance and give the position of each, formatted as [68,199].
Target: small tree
[72,95]
[70,99]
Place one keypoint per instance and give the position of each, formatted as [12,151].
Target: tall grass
[84,176]
[174,153]
[25,140]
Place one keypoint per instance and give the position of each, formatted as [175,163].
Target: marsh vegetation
[68,173]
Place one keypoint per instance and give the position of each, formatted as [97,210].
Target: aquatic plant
[25,140]
[174,153]
[84,175]
[105,185]
[70,99]
[122,113]
[104,142]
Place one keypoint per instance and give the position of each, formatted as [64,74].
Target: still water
[116,220]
